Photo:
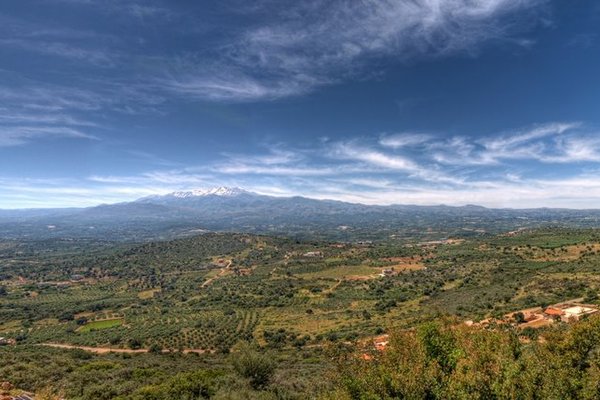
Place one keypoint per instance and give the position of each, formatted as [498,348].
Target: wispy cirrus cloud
[275,162]
[391,162]
[28,116]
[300,46]
[399,140]
[31,109]
[9,116]
[307,45]
[94,56]
[17,95]
[80,46]
[357,152]
[137,9]
[421,159]
[367,171]
[515,140]
[14,136]
[556,142]
[573,149]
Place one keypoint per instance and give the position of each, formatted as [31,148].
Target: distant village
[538,317]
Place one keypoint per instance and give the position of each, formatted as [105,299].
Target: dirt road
[106,350]
[221,273]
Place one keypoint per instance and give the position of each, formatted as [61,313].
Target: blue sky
[491,102]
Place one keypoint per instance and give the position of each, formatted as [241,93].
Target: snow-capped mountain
[220,191]
[235,209]
[216,191]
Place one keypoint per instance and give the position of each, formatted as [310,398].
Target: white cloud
[138,9]
[456,171]
[33,113]
[399,140]
[275,156]
[276,161]
[574,149]
[353,151]
[391,162]
[278,170]
[301,46]
[31,109]
[378,159]
[505,144]
[80,54]
[557,142]
[457,150]
[14,136]
[37,118]
[309,44]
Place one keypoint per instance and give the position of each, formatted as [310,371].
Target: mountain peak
[224,191]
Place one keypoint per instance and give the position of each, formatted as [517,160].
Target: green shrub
[256,367]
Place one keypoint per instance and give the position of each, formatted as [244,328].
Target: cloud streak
[556,142]
[323,42]
[30,115]
[14,136]
[399,140]
[433,169]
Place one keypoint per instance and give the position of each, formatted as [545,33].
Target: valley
[209,294]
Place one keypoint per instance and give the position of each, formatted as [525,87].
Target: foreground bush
[187,386]
[443,360]
[256,367]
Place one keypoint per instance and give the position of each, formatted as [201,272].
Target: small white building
[575,313]
[313,254]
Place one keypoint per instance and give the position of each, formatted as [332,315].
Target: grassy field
[99,325]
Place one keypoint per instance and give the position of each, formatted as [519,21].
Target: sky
[489,102]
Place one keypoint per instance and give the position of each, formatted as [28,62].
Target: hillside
[164,302]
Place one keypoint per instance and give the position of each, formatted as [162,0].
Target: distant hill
[234,209]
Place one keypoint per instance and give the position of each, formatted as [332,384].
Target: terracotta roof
[553,311]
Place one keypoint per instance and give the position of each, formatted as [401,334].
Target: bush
[185,386]
[256,367]
[134,343]
[519,317]
[453,361]
[155,349]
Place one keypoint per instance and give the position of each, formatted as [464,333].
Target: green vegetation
[446,360]
[238,311]
[257,368]
[102,324]
[79,375]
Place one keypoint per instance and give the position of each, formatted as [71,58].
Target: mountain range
[235,209]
